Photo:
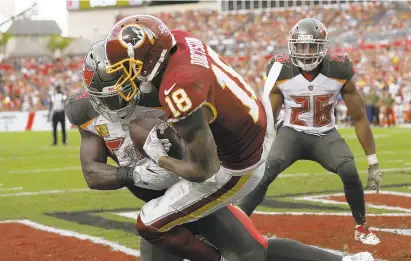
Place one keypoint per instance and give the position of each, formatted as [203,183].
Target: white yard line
[388,152]
[395,193]
[68,233]
[399,231]
[131,215]
[19,194]
[324,200]
[390,170]
[26,171]
[292,175]
[348,214]
[134,214]
[288,175]
[361,171]
[11,189]
[38,157]
[385,161]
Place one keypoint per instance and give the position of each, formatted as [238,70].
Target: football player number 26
[321,111]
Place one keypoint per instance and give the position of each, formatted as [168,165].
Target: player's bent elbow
[90,181]
[90,178]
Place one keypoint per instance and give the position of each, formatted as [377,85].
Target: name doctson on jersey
[197,52]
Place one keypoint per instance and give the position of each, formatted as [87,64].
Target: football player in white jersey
[307,81]
[103,125]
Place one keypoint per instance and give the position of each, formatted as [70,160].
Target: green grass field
[30,164]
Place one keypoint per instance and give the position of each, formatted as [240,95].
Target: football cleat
[363,256]
[365,235]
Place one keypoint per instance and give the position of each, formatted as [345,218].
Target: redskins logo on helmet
[136,46]
[134,35]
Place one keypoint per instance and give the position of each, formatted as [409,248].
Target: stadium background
[43,184]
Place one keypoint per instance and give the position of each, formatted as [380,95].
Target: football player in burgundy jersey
[102,117]
[226,129]
[307,81]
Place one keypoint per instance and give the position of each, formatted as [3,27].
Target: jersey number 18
[225,77]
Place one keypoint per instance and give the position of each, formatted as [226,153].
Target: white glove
[374,180]
[149,175]
[154,147]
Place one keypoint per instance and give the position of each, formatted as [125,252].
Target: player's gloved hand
[374,180]
[154,147]
[147,174]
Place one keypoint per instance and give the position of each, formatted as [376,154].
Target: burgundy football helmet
[136,46]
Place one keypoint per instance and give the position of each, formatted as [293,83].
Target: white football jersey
[116,135]
[117,139]
[309,105]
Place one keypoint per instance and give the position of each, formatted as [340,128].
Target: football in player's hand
[140,128]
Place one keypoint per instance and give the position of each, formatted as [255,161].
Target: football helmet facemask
[136,47]
[308,43]
[106,96]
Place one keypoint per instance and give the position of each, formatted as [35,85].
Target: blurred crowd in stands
[374,35]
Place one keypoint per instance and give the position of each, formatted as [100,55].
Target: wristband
[372,159]
[124,176]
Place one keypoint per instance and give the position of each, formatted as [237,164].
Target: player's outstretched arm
[356,109]
[97,173]
[201,161]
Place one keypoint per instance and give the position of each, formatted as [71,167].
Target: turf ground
[43,186]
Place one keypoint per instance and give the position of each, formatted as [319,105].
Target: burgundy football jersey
[196,76]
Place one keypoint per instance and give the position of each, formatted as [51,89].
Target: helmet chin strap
[307,67]
[146,87]
[157,67]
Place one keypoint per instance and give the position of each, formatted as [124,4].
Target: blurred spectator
[387,112]
[371,103]
[374,35]
[56,112]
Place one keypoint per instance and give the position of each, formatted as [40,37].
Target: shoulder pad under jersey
[337,66]
[78,108]
[288,70]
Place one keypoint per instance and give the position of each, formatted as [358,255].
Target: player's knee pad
[272,170]
[149,233]
[348,173]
